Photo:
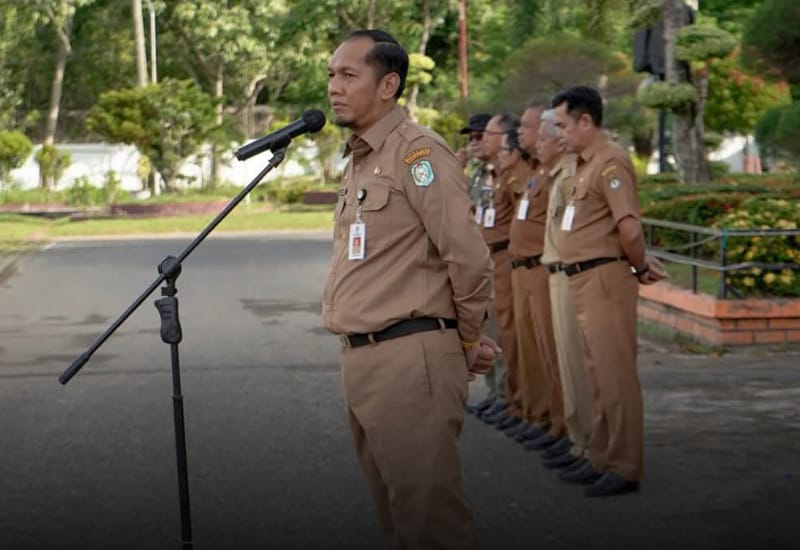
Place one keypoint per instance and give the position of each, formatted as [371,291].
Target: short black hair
[507,121]
[387,56]
[580,100]
[512,135]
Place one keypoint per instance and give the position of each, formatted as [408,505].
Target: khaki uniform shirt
[603,193]
[560,191]
[508,185]
[420,254]
[527,236]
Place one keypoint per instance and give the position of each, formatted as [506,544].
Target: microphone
[312,121]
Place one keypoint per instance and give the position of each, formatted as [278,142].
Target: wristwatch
[639,272]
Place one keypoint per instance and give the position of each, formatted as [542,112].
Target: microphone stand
[169,270]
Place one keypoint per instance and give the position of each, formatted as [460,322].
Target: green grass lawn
[17,230]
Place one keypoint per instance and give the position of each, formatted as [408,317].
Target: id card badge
[357,242]
[488,218]
[522,211]
[569,216]
[479,215]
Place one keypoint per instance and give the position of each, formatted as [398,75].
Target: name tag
[357,242]
[488,218]
[522,212]
[479,215]
[569,216]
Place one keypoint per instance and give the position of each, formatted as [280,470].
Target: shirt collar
[564,164]
[600,141]
[374,137]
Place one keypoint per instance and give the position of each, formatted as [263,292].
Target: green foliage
[15,148]
[778,131]
[671,96]
[772,39]
[545,65]
[52,163]
[167,122]
[764,213]
[702,43]
[83,193]
[645,15]
[737,99]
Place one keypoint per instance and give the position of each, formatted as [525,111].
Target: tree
[15,148]
[772,45]
[686,49]
[167,122]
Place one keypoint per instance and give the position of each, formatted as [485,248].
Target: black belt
[498,246]
[555,267]
[578,267]
[530,262]
[403,328]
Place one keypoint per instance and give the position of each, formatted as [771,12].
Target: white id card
[479,215]
[357,242]
[522,212]
[488,218]
[569,215]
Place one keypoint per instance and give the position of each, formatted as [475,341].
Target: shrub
[83,193]
[764,213]
[52,163]
[15,147]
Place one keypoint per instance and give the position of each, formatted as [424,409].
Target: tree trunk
[463,70]
[427,24]
[687,130]
[138,39]
[215,154]
[64,51]
[371,15]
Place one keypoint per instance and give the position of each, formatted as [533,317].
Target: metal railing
[700,237]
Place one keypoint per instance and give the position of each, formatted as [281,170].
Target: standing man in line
[603,251]
[538,360]
[496,211]
[407,293]
[577,398]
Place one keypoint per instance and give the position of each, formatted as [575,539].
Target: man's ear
[389,85]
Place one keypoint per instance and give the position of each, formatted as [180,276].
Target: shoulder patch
[422,173]
[416,155]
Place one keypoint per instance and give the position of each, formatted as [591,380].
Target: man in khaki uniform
[603,251]
[538,360]
[407,292]
[574,383]
[496,211]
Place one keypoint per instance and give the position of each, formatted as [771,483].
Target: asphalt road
[91,464]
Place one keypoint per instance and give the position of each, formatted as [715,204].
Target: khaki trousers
[574,382]
[504,312]
[405,399]
[605,299]
[533,378]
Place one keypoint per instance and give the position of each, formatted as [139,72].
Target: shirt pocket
[376,213]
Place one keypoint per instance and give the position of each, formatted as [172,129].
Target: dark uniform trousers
[405,399]
[504,315]
[605,299]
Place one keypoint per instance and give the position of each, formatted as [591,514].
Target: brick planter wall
[167,209]
[721,322]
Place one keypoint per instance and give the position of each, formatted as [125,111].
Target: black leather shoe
[560,461]
[558,448]
[610,484]
[584,475]
[495,418]
[518,429]
[532,432]
[499,405]
[481,406]
[540,443]
[510,422]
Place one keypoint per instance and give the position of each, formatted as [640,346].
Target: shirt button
[328,307]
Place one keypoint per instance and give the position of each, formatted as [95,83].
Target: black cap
[477,123]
